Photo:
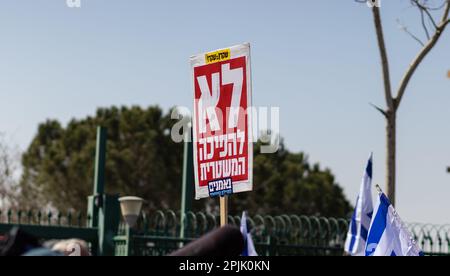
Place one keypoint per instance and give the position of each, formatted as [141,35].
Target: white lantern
[131,208]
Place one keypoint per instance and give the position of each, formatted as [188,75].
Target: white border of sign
[199,60]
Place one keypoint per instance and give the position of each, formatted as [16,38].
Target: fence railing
[433,239]
[44,218]
[51,225]
[158,233]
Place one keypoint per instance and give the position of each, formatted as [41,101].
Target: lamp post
[130,207]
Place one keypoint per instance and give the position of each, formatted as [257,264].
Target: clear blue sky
[316,60]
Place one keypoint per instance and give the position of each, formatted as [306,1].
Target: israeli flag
[249,247]
[388,236]
[355,243]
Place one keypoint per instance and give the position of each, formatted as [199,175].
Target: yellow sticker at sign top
[217,56]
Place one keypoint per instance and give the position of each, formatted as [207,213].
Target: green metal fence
[51,225]
[159,234]
[433,239]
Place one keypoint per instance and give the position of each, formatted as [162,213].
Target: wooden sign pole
[223,210]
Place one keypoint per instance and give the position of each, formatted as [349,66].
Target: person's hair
[72,247]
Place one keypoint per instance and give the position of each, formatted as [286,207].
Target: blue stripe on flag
[245,252]
[364,233]
[378,224]
[369,168]
[353,227]
[384,200]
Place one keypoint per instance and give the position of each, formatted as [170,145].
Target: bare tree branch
[426,10]
[445,20]
[422,54]
[424,25]
[379,109]
[384,58]
[405,29]
[393,103]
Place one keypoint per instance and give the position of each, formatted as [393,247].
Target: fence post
[269,247]
[129,241]
[100,158]
[187,191]
[108,224]
[103,210]
[94,201]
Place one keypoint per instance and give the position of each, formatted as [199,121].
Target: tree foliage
[9,164]
[142,160]
[285,182]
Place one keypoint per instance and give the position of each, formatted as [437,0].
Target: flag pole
[223,210]
[378,189]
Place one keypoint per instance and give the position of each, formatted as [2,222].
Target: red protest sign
[223,152]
